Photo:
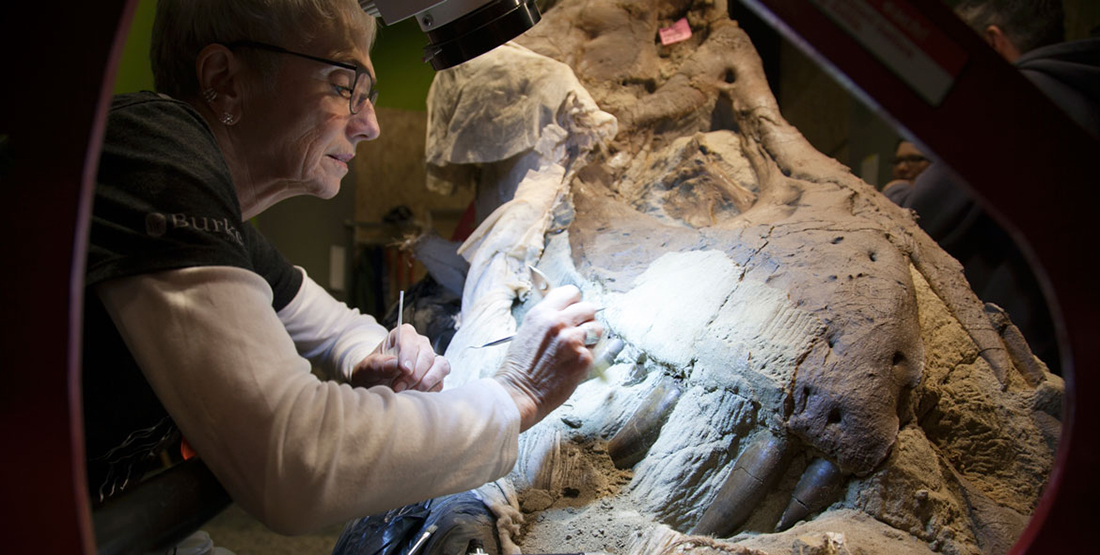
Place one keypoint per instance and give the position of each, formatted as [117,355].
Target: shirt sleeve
[296,452]
[327,332]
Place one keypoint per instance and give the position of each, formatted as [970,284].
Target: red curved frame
[60,65]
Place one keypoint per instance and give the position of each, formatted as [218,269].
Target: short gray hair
[184,27]
[1029,24]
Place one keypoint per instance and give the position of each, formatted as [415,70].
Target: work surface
[238,532]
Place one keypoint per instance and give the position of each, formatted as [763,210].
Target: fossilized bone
[829,360]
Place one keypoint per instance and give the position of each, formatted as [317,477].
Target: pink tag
[680,31]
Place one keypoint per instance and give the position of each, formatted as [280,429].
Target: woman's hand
[896,183]
[550,354]
[414,366]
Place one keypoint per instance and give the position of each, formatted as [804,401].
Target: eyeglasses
[910,159]
[359,93]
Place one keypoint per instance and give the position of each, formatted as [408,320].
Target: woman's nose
[363,126]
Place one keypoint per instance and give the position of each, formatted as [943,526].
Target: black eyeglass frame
[909,159]
[372,92]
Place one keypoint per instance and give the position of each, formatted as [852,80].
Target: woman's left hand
[414,366]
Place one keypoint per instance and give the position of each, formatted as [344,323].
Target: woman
[194,321]
[908,163]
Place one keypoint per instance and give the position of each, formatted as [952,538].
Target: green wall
[403,78]
[134,72]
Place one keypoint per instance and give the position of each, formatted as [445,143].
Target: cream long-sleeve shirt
[297,452]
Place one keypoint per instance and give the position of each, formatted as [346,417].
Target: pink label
[679,31]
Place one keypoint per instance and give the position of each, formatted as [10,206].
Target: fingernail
[399,387]
[408,366]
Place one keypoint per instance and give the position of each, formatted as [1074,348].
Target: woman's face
[297,134]
[909,162]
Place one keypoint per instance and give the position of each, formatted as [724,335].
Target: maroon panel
[1032,168]
[58,71]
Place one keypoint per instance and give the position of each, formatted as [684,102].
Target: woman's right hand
[414,366]
[549,357]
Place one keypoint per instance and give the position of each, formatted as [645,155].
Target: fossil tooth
[634,439]
[1015,344]
[606,351]
[817,489]
[753,475]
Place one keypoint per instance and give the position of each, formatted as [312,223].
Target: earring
[228,119]
[209,95]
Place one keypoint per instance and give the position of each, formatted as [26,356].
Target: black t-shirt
[164,200]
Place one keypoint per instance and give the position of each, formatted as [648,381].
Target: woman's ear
[220,82]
